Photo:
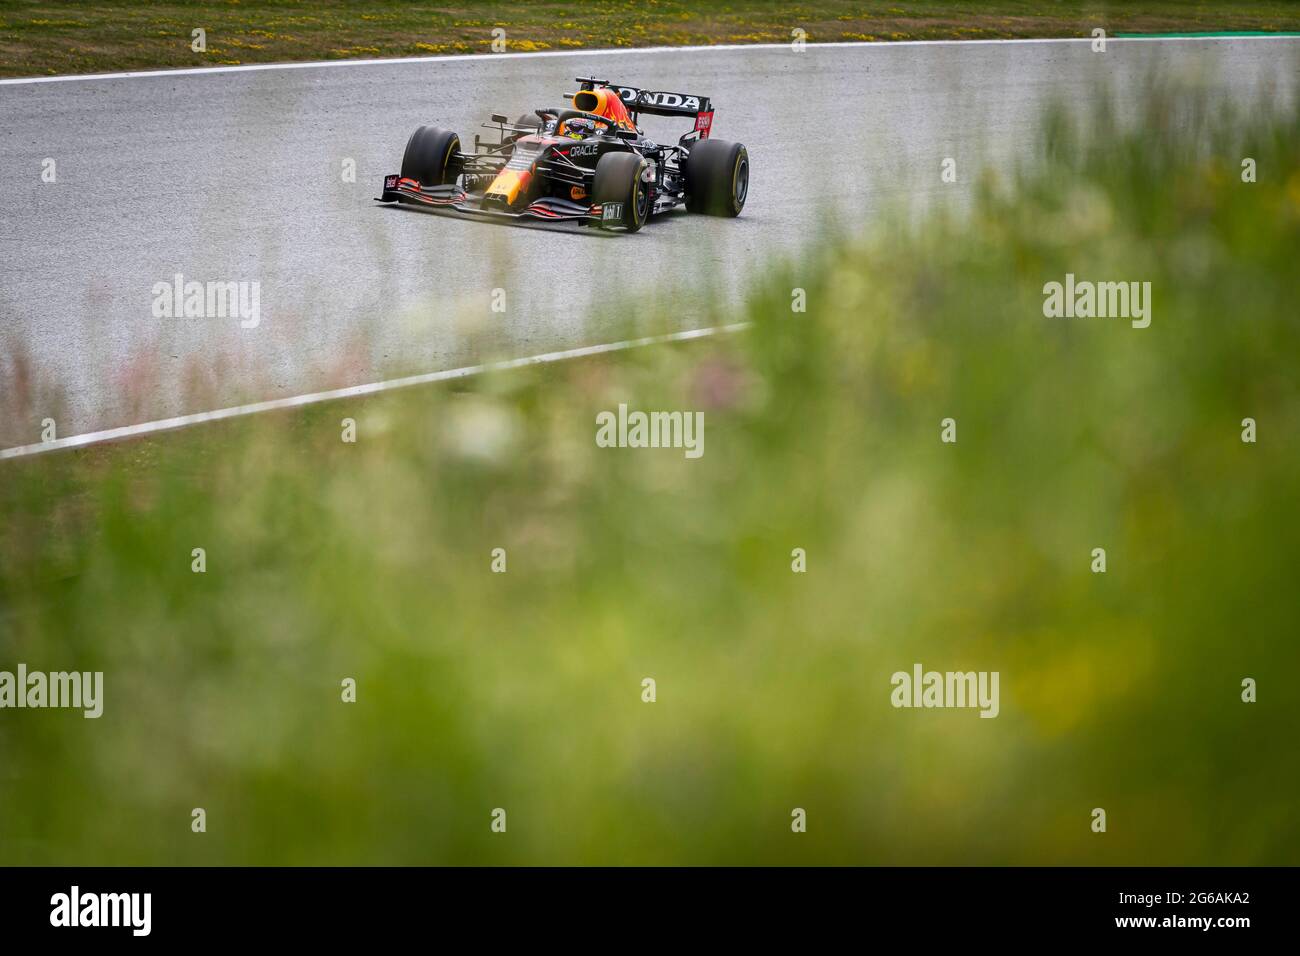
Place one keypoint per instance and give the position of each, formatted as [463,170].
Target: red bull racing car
[589,163]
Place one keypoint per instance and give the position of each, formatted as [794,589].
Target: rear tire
[531,120]
[620,179]
[432,156]
[717,178]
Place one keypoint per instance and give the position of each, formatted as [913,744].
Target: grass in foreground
[522,690]
[39,37]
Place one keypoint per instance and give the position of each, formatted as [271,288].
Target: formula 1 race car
[590,164]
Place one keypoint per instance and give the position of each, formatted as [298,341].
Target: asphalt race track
[238,176]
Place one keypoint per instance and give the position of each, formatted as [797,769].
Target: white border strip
[353,391]
[615,51]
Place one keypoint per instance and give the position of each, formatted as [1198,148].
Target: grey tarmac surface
[238,176]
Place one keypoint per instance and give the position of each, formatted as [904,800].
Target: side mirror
[628,134]
[498,118]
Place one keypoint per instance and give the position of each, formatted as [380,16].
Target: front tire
[620,178]
[432,156]
[717,178]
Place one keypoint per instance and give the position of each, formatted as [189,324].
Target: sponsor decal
[703,123]
[390,182]
[671,101]
[611,210]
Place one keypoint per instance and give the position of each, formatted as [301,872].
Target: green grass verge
[40,37]
[522,690]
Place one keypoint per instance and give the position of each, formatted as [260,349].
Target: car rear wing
[658,102]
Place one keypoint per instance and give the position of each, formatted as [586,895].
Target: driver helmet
[579,127]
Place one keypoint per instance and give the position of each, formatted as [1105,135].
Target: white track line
[354,391]
[618,51]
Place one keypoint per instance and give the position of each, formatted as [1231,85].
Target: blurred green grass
[522,690]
